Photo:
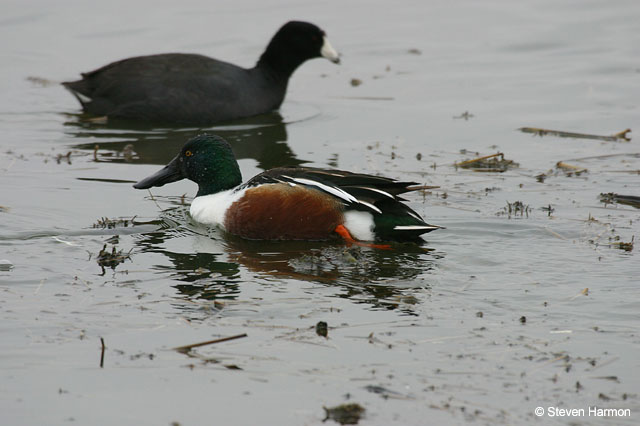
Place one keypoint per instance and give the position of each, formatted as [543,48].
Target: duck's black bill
[172,172]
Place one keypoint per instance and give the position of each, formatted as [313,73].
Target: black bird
[194,89]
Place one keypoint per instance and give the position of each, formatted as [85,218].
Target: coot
[194,89]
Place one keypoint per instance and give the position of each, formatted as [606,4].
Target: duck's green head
[207,160]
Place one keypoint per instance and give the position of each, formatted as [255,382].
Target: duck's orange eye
[188,153]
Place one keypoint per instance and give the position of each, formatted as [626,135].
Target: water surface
[488,319]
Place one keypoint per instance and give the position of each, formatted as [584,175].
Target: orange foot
[344,233]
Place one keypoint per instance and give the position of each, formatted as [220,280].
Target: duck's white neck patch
[211,209]
[360,225]
[328,51]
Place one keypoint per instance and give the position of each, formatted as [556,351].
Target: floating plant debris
[129,153]
[616,137]
[465,116]
[384,392]
[570,169]
[624,246]
[39,81]
[517,208]
[62,158]
[5,265]
[613,198]
[345,414]
[103,347]
[66,157]
[322,329]
[547,209]
[96,120]
[187,348]
[112,258]
[106,223]
[488,163]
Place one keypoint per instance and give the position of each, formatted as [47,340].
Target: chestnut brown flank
[284,212]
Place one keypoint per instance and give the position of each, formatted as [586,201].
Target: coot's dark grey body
[195,89]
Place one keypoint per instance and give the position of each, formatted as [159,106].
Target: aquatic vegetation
[345,414]
[488,163]
[616,137]
[112,258]
[613,198]
[517,208]
[106,223]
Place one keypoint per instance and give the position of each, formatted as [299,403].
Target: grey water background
[488,320]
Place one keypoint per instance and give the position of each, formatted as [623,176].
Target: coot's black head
[295,43]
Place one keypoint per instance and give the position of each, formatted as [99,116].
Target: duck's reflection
[380,278]
[383,279]
[263,138]
[201,275]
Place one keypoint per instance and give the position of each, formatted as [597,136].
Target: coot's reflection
[263,138]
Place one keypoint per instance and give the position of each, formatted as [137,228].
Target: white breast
[210,209]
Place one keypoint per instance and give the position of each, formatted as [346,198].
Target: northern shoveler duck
[196,89]
[290,203]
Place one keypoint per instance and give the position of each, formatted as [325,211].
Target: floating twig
[475,160]
[584,292]
[633,172]
[612,198]
[42,281]
[102,353]
[616,137]
[546,363]
[488,163]
[602,157]
[554,233]
[154,200]
[605,363]
[386,393]
[41,81]
[422,187]
[365,98]
[570,169]
[97,120]
[187,348]
[465,115]
[612,378]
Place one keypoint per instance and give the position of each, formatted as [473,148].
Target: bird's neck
[279,63]
[217,178]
